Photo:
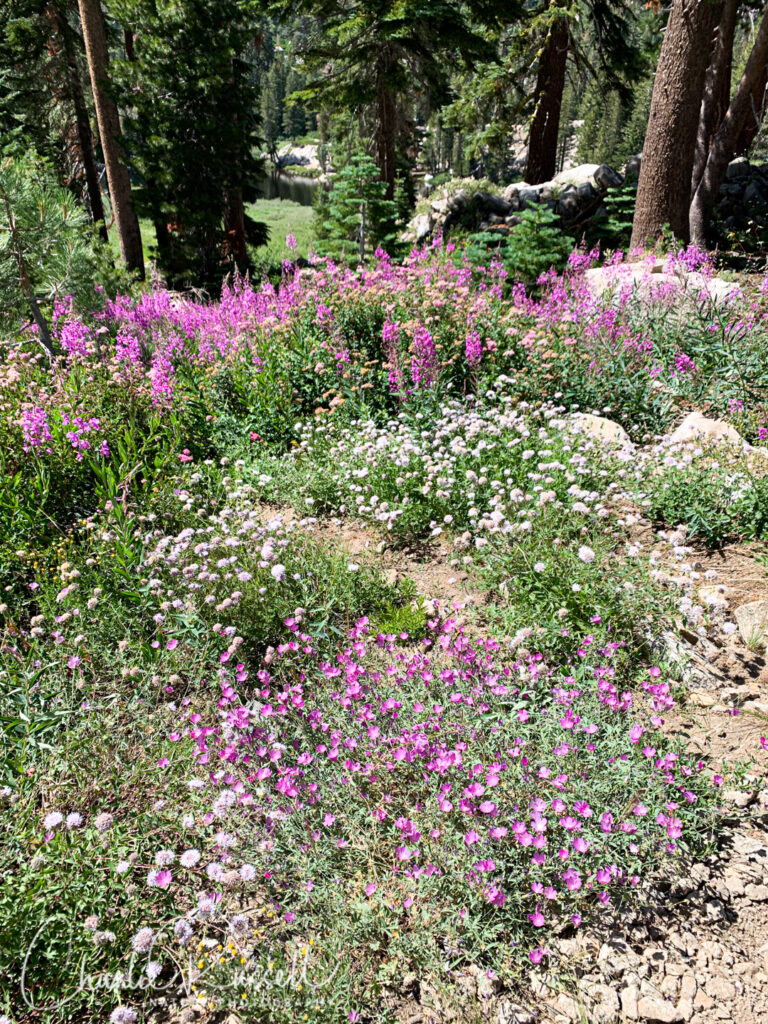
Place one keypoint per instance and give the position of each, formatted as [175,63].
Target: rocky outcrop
[697,425]
[744,190]
[576,196]
[658,279]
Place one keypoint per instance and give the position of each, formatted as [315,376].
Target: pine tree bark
[755,116]
[550,83]
[234,227]
[717,89]
[664,188]
[385,124]
[724,143]
[62,30]
[118,178]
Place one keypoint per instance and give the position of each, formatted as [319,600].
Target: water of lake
[288,186]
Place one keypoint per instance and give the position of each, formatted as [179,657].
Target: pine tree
[192,123]
[46,243]
[357,208]
[118,176]
[372,54]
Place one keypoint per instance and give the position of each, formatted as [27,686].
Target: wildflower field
[252,771]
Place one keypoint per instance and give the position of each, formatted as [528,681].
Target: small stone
[513,1013]
[734,884]
[702,698]
[718,988]
[697,425]
[569,1007]
[738,797]
[756,893]
[606,1003]
[713,949]
[714,910]
[485,986]
[749,847]
[601,428]
[658,1010]
[702,1001]
[630,997]
[668,986]
[688,986]
[752,620]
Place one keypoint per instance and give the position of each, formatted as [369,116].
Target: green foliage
[192,129]
[530,249]
[48,248]
[406,621]
[715,504]
[28,106]
[357,210]
[616,230]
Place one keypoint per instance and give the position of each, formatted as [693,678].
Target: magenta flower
[537,919]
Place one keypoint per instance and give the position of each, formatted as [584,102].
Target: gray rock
[738,798]
[734,884]
[602,428]
[738,168]
[753,193]
[493,203]
[458,200]
[752,620]
[655,1009]
[756,893]
[688,987]
[697,425]
[751,848]
[606,177]
[719,989]
[422,226]
[632,170]
[575,175]
[569,205]
[714,910]
[513,1013]
[630,998]
[587,191]
[529,195]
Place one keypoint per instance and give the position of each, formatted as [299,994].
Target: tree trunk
[234,227]
[385,125]
[118,179]
[723,145]
[755,116]
[542,145]
[62,31]
[664,189]
[717,90]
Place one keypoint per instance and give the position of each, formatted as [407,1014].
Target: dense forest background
[175,129]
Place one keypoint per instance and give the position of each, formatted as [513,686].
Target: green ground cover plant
[232,752]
